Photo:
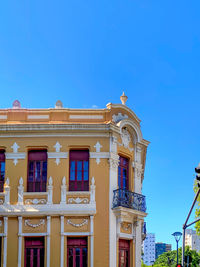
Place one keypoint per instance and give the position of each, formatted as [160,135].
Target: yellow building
[70,186]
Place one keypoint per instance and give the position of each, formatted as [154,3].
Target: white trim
[55,155]
[36,117]
[5,219]
[102,155]
[134,126]
[15,155]
[34,234]
[77,234]
[1,234]
[99,155]
[3,117]
[77,193]
[19,241]
[83,117]
[56,135]
[92,241]
[48,209]
[62,241]
[113,170]
[138,244]
[48,239]
[125,236]
[35,193]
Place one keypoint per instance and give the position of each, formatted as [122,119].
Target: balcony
[128,199]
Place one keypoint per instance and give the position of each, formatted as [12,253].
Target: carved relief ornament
[28,223]
[85,221]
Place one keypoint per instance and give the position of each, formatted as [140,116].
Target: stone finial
[123,98]
[50,180]
[59,104]
[16,104]
[7,182]
[21,181]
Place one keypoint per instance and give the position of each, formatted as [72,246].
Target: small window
[77,252]
[79,170]
[37,171]
[34,252]
[2,170]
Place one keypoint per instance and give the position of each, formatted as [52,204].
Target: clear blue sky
[86,52]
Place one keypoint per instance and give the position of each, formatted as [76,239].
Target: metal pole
[177,251]
[183,248]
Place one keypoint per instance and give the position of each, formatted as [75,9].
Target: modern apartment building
[149,249]
[161,248]
[70,186]
[192,239]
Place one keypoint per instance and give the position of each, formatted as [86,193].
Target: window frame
[37,156]
[77,242]
[40,246]
[78,156]
[122,167]
[2,160]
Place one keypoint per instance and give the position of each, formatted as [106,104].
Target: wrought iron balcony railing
[128,199]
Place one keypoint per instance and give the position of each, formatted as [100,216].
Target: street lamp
[177,236]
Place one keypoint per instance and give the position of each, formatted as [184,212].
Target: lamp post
[177,236]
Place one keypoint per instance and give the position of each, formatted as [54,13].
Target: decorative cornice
[51,209]
[85,221]
[86,117]
[120,106]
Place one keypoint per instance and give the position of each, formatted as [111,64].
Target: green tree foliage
[197,212]
[170,258]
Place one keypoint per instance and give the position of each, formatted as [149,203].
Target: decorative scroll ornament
[119,117]
[78,200]
[35,201]
[28,223]
[138,170]
[125,226]
[85,221]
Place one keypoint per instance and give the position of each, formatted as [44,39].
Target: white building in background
[192,240]
[149,249]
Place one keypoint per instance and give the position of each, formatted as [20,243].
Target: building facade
[192,240]
[70,182]
[149,249]
[162,248]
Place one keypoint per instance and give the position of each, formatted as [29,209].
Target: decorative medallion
[126,226]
